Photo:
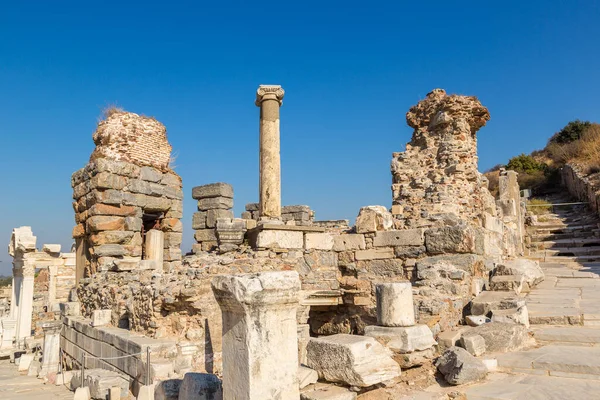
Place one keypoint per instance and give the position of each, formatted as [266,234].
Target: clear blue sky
[350,69]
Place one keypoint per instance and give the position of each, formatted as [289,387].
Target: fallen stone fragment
[352,360]
[501,336]
[474,344]
[512,316]
[529,269]
[307,376]
[508,283]
[402,339]
[373,219]
[414,359]
[200,386]
[460,367]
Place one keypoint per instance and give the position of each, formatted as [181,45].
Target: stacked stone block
[112,198]
[299,215]
[215,202]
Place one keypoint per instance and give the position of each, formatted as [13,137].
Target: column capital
[269,92]
[52,327]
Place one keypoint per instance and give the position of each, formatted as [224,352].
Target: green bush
[571,132]
[525,164]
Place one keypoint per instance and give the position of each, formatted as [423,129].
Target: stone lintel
[275,227]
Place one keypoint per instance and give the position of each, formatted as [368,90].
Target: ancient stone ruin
[275,304]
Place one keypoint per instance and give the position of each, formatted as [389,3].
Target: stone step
[562,228]
[560,236]
[562,243]
[570,335]
[555,360]
[533,387]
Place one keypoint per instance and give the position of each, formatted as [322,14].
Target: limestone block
[374,254]
[211,203]
[512,283]
[213,215]
[133,224]
[328,392]
[64,378]
[34,367]
[501,336]
[269,239]
[51,248]
[105,223]
[487,301]
[303,338]
[459,367]
[373,219]
[25,361]
[402,339]
[150,174]
[199,220]
[101,317]
[518,315]
[106,180]
[109,250]
[395,305]
[492,223]
[347,242]
[252,207]
[114,393]
[453,239]
[206,235]
[307,376]
[318,241]
[351,360]
[449,338]
[529,269]
[474,344]
[408,237]
[218,189]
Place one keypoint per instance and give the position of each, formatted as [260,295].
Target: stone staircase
[564,313]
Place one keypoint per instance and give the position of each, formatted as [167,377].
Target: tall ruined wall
[124,191]
[437,174]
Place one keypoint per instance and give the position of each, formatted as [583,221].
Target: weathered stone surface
[518,315]
[460,367]
[452,239]
[373,219]
[218,189]
[109,250]
[408,237]
[150,174]
[487,301]
[198,386]
[476,320]
[501,336]
[213,215]
[318,241]
[348,242]
[280,239]
[105,223]
[474,344]
[199,220]
[352,360]
[374,254]
[402,339]
[449,338]
[206,235]
[529,269]
[414,359]
[307,376]
[395,305]
[510,283]
[101,317]
[168,389]
[211,203]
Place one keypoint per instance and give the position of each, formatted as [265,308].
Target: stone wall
[118,197]
[581,186]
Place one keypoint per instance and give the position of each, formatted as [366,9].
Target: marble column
[269,99]
[51,353]
[25,305]
[154,247]
[395,306]
[16,293]
[52,272]
[260,345]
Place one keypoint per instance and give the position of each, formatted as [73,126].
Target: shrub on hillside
[525,164]
[571,132]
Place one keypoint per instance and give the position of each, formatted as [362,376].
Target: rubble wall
[581,186]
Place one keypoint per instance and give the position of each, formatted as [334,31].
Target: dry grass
[584,152]
[538,206]
[108,111]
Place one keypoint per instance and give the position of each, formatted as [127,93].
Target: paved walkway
[19,386]
[564,312]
